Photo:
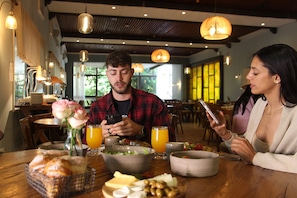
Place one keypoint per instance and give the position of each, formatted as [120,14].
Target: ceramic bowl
[194,163]
[115,160]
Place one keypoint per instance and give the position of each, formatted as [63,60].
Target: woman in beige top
[271,137]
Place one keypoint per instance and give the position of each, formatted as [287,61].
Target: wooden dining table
[234,179]
[52,125]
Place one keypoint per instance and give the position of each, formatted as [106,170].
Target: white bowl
[129,164]
[194,163]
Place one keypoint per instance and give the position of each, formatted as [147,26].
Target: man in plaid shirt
[140,110]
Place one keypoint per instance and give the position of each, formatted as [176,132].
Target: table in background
[52,125]
[235,178]
[28,110]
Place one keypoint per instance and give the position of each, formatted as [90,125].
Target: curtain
[30,45]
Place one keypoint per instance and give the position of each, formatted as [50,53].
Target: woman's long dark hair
[281,59]
[244,99]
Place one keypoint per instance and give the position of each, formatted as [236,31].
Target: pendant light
[160,56]
[40,73]
[10,22]
[215,27]
[138,67]
[85,23]
[187,70]
[83,55]
[82,68]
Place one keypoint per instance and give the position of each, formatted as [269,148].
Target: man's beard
[122,91]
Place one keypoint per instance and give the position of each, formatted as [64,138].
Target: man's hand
[126,127]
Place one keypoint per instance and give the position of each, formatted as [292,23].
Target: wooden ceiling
[126,28]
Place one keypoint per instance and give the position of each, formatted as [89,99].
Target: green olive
[153,191]
[147,189]
[160,185]
[146,182]
[159,192]
[167,190]
[172,193]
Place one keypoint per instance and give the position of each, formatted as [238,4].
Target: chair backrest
[1,135]
[27,127]
[28,136]
[173,121]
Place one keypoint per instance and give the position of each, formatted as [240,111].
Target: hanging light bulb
[83,55]
[82,68]
[10,22]
[85,23]
[39,73]
[51,64]
[187,70]
[160,56]
[215,28]
[138,67]
[227,60]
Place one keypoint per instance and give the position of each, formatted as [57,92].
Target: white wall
[5,58]
[8,117]
[242,52]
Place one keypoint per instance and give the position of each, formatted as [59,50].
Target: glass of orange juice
[159,138]
[94,136]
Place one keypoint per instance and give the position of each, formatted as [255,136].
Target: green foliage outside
[96,80]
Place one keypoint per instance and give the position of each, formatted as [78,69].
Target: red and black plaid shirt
[145,109]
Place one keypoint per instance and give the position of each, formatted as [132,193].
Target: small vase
[73,143]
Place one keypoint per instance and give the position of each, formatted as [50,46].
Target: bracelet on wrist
[229,136]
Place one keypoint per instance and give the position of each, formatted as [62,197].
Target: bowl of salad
[128,159]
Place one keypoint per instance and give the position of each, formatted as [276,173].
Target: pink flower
[79,118]
[70,112]
[61,110]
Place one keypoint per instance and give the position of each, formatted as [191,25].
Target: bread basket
[61,187]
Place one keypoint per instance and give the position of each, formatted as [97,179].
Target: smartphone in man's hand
[112,119]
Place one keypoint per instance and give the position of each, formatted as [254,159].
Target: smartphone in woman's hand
[212,115]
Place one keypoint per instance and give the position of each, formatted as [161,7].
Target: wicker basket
[61,187]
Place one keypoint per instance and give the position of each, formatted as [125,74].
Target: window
[96,84]
[206,81]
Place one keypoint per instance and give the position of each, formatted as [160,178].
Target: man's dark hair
[118,58]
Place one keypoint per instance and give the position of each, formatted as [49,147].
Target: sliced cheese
[120,180]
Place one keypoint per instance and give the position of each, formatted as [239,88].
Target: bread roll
[78,164]
[43,157]
[58,167]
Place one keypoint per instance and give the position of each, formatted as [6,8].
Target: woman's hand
[220,128]
[242,147]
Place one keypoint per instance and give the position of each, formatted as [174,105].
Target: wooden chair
[1,135]
[173,121]
[31,137]
[209,133]
[177,111]
[197,113]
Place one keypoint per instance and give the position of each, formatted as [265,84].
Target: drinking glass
[159,138]
[94,136]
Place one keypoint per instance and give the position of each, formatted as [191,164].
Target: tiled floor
[194,133]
